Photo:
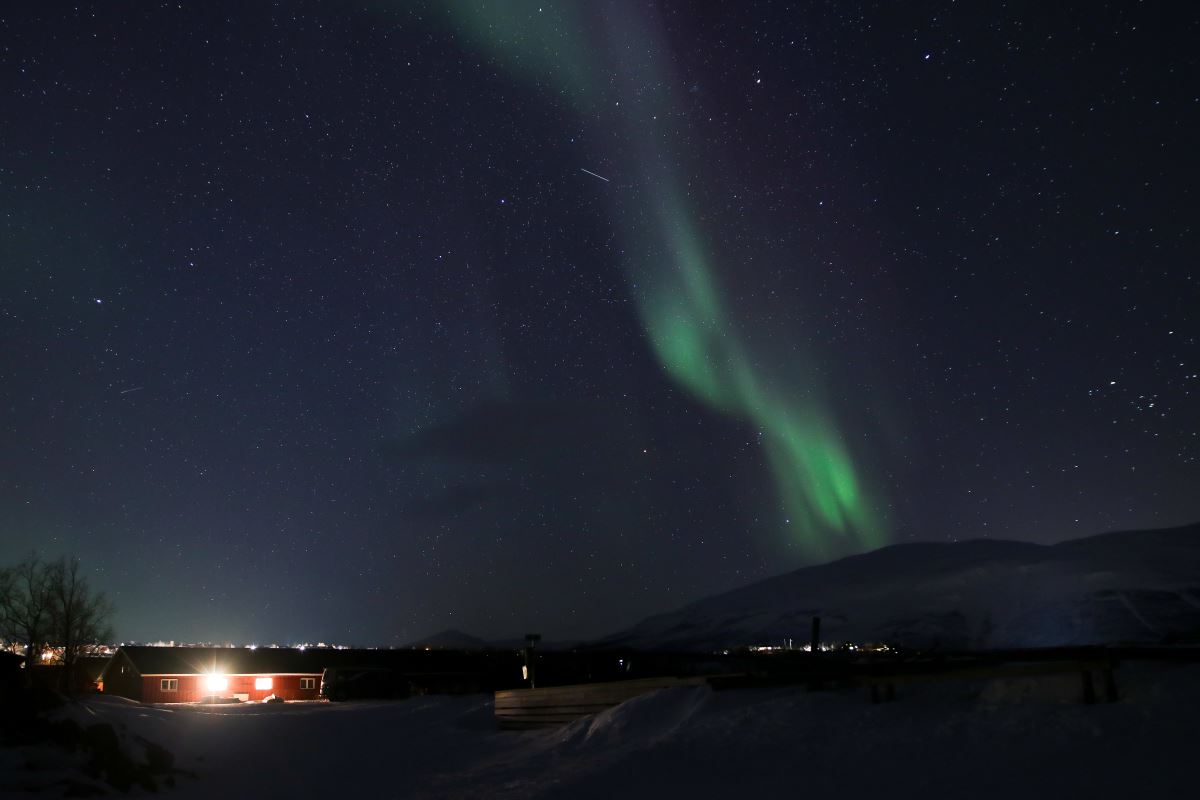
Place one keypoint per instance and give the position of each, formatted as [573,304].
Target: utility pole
[530,640]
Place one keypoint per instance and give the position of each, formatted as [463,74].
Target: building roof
[91,667]
[148,660]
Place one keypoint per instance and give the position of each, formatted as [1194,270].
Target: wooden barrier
[556,705]
[883,686]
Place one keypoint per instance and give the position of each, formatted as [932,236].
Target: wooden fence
[883,686]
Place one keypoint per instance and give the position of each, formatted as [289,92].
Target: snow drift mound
[646,719]
[1134,586]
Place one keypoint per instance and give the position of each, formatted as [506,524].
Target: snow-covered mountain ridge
[1130,586]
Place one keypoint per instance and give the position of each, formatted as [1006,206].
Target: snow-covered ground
[961,739]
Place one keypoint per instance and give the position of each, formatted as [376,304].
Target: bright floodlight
[216,683]
[262,683]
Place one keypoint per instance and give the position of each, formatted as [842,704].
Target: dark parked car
[363,683]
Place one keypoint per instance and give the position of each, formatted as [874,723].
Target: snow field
[980,739]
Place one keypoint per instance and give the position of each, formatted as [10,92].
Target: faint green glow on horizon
[692,332]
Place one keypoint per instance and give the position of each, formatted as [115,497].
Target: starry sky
[354,321]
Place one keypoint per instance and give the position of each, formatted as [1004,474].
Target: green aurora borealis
[669,261]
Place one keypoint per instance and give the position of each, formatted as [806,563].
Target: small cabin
[187,674]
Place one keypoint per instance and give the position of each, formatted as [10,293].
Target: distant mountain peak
[1129,586]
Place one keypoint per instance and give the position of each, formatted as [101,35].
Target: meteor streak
[594,175]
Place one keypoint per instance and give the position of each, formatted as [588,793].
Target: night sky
[357,321]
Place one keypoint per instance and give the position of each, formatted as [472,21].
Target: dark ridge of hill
[449,639]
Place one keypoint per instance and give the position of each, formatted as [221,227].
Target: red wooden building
[188,674]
